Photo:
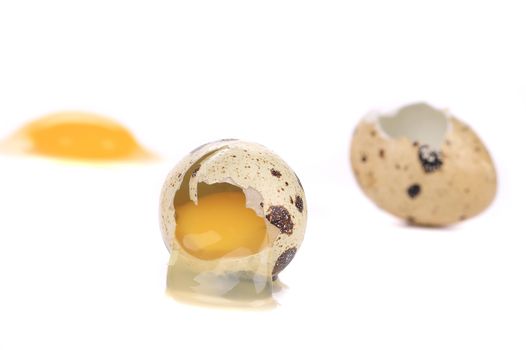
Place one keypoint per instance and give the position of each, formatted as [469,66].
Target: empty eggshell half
[423,165]
[271,189]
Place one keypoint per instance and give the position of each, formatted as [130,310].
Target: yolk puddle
[79,135]
[220,225]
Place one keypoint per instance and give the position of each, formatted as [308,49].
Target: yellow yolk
[81,136]
[220,225]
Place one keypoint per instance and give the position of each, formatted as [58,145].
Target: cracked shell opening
[220,224]
[418,122]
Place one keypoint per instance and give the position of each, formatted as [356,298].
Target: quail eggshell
[425,185]
[271,188]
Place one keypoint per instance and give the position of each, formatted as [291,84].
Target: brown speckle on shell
[275,173]
[284,259]
[381,153]
[194,173]
[413,190]
[430,159]
[299,204]
[279,216]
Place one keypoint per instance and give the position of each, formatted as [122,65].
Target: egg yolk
[82,136]
[220,225]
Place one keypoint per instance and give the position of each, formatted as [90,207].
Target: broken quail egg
[423,165]
[233,206]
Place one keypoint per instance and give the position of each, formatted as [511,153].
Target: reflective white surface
[82,262]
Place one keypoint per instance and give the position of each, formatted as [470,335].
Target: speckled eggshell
[271,188]
[419,185]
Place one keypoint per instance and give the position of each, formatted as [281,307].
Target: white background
[82,263]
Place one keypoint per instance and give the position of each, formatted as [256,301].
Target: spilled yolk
[80,135]
[220,225]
